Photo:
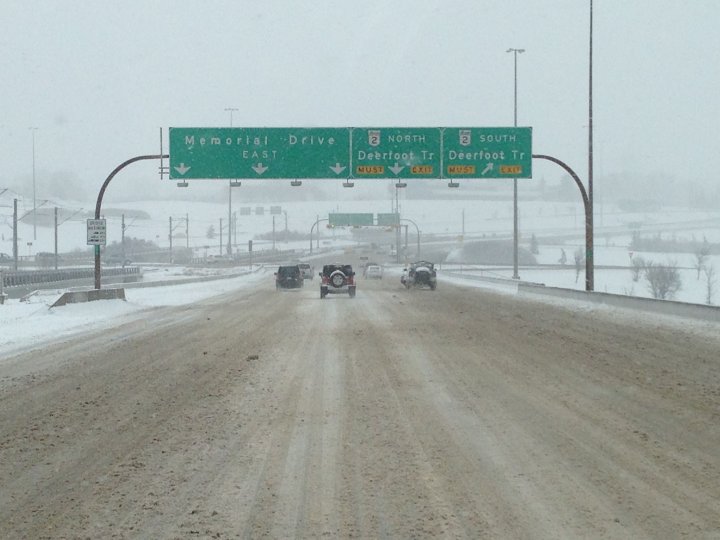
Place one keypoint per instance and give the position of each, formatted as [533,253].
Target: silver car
[307,270]
[374,271]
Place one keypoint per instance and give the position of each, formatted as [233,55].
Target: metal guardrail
[38,277]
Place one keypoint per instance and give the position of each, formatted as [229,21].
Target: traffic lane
[596,408]
[403,412]
[74,424]
[619,395]
[464,406]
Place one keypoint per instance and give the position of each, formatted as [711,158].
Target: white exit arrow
[259,168]
[182,169]
[337,169]
[396,168]
[487,169]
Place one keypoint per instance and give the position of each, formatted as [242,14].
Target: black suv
[289,277]
[337,279]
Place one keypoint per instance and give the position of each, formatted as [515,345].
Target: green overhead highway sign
[259,153]
[396,152]
[388,220]
[350,220]
[400,153]
[487,152]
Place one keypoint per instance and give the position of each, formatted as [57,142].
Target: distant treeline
[657,243]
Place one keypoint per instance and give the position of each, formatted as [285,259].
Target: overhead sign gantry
[322,153]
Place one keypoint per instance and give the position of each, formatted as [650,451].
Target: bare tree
[663,279]
[710,282]
[638,265]
[701,256]
[563,257]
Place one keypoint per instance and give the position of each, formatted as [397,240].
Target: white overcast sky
[99,78]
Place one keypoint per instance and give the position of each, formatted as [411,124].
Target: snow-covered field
[618,279]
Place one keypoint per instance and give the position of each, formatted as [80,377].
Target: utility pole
[235,222]
[56,238]
[221,243]
[33,130]
[229,241]
[15,238]
[170,237]
[122,238]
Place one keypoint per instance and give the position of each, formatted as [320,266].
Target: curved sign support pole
[589,259]
[98,205]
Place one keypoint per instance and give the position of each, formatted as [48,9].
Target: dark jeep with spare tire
[337,279]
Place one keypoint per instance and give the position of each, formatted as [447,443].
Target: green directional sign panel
[396,152]
[259,153]
[385,152]
[350,220]
[497,152]
[387,220]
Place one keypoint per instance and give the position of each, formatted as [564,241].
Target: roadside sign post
[96,232]
[98,204]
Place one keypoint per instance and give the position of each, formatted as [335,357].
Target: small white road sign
[96,229]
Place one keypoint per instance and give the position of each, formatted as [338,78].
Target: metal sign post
[98,204]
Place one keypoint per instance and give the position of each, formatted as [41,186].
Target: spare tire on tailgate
[337,279]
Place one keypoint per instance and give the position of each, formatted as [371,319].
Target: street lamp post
[33,130]
[590,255]
[515,184]
[398,185]
[230,186]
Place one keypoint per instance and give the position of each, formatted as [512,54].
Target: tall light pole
[515,184]
[230,186]
[398,185]
[590,256]
[33,130]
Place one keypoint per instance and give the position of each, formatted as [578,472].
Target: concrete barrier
[652,305]
[663,307]
[91,295]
